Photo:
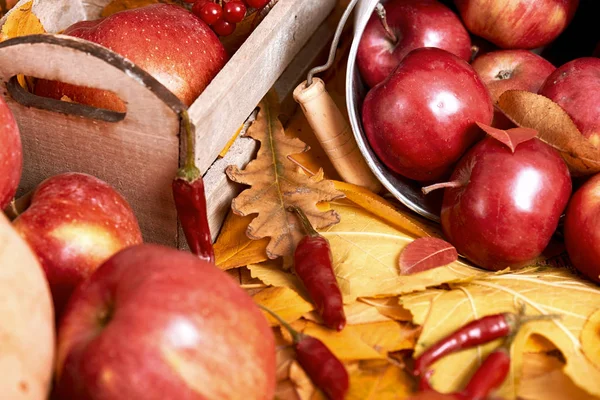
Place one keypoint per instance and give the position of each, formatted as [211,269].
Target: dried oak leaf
[554,127]
[544,291]
[275,185]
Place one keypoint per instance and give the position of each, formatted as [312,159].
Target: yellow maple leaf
[544,379]
[404,221]
[384,382]
[275,185]
[365,259]
[21,21]
[543,290]
[233,248]
[288,304]
[590,338]
[365,341]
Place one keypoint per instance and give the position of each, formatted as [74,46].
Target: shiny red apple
[517,24]
[504,70]
[11,155]
[507,205]
[74,223]
[415,24]
[582,229]
[575,86]
[158,323]
[421,119]
[169,42]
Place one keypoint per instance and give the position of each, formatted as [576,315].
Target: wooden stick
[334,134]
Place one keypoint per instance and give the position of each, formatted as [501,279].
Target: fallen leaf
[404,221]
[120,5]
[388,382]
[424,254]
[390,307]
[21,22]
[512,137]
[365,341]
[543,379]
[275,185]
[362,313]
[305,389]
[590,338]
[284,301]
[365,253]
[234,248]
[543,290]
[554,127]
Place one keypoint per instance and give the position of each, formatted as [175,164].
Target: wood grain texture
[138,156]
[251,72]
[27,328]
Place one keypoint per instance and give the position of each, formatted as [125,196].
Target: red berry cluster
[223,15]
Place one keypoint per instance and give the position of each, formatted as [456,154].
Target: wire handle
[334,44]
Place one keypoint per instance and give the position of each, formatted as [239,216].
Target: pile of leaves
[393,316]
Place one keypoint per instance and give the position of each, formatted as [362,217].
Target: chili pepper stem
[296,336]
[310,230]
[381,13]
[189,171]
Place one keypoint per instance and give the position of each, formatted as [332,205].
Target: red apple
[158,323]
[504,70]
[74,223]
[507,205]
[415,24]
[11,155]
[169,42]
[517,24]
[582,229]
[421,119]
[575,86]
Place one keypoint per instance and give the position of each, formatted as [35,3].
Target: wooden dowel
[333,132]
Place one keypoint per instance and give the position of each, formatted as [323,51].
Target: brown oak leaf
[276,185]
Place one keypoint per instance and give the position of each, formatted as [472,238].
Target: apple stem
[474,52]
[451,184]
[18,206]
[381,13]
[296,336]
[189,172]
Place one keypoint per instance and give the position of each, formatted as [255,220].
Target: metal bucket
[408,192]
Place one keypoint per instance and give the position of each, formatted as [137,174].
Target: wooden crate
[139,152]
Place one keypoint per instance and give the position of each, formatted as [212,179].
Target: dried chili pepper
[490,375]
[190,200]
[313,264]
[474,333]
[320,364]
[494,370]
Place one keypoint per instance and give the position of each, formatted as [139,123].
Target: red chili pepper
[474,333]
[489,376]
[190,201]
[320,364]
[313,264]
